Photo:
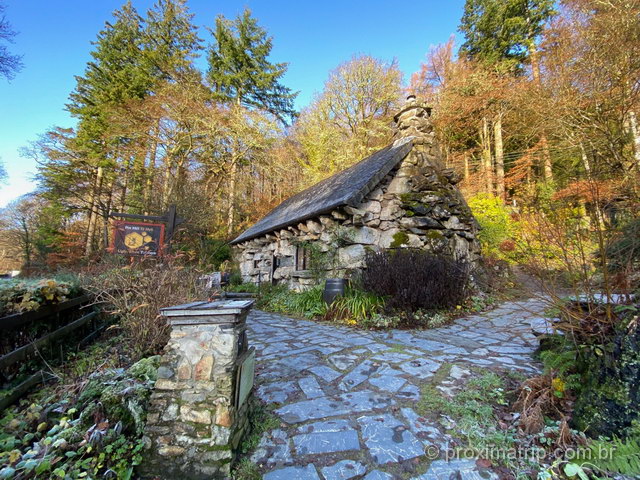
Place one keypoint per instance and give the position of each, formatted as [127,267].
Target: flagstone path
[346,398]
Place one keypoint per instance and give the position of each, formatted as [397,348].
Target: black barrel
[333,288]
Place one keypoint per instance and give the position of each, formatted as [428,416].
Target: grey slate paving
[378,475]
[388,439]
[273,448]
[276,392]
[389,383]
[326,442]
[310,387]
[323,407]
[344,470]
[336,425]
[343,362]
[348,396]
[359,374]
[420,368]
[441,470]
[324,372]
[293,473]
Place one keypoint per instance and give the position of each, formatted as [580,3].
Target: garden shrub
[18,296]
[497,228]
[135,295]
[278,298]
[353,307]
[308,303]
[411,280]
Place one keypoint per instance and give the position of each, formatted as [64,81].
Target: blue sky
[314,37]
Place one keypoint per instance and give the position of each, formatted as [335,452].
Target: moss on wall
[399,239]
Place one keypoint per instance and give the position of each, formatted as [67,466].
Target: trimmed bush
[412,279]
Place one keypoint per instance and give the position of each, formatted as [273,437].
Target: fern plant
[562,363]
[617,455]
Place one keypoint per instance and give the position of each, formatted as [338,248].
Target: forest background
[536,109]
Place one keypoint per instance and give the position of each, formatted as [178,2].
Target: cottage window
[303,258]
[256,264]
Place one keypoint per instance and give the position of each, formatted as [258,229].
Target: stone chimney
[414,120]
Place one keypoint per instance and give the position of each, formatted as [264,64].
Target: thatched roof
[348,187]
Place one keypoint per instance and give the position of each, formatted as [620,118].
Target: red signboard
[137,238]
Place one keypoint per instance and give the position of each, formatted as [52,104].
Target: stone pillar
[198,409]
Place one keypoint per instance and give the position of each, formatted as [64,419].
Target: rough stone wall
[192,427]
[417,205]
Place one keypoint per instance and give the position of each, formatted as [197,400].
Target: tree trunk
[166,184]
[105,215]
[150,172]
[585,160]
[137,187]
[486,155]
[231,212]
[499,149]
[633,126]
[466,172]
[26,240]
[546,159]
[535,64]
[93,214]
[125,185]
[537,79]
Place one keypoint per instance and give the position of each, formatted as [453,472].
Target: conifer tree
[240,71]
[240,74]
[171,41]
[503,32]
[115,74]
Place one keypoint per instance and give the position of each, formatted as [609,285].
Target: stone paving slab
[324,407]
[344,470]
[326,442]
[346,398]
[293,473]
[389,440]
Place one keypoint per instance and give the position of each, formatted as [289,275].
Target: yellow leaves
[14,424]
[42,426]
[558,385]
[14,456]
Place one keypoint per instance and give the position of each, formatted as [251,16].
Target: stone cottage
[400,197]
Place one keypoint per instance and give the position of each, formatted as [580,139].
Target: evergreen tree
[115,74]
[502,33]
[171,40]
[240,71]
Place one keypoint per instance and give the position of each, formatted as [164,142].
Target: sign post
[142,238]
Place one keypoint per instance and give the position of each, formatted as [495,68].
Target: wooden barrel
[333,288]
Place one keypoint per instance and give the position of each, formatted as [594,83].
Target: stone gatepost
[198,409]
